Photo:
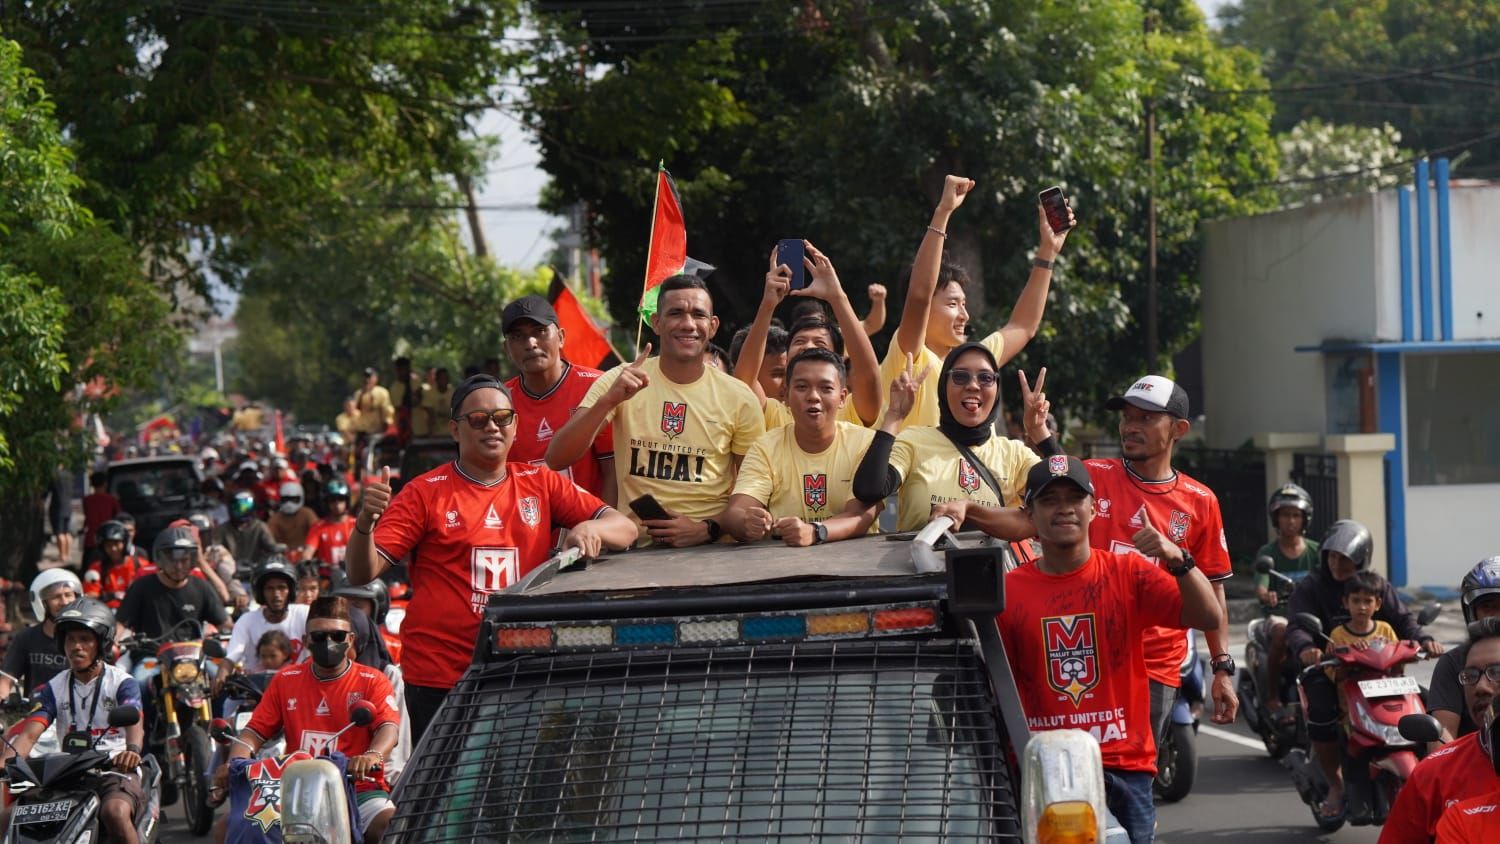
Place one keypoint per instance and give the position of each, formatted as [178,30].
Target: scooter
[53,802]
[1256,690]
[1378,759]
[1177,758]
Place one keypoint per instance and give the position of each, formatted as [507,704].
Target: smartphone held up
[1055,206]
[791,252]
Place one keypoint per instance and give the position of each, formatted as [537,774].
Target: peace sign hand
[1036,407]
[904,393]
[632,379]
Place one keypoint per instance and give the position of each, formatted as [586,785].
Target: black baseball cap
[482,381]
[534,308]
[1154,393]
[1058,467]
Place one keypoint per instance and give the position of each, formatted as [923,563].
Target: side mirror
[362,713]
[1420,727]
[1309,622]
[213,648]
[124,716]
[219,730]
[1264,565]
[1428,613]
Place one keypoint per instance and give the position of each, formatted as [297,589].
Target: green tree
[78,318]
[1321,160]
[837,119]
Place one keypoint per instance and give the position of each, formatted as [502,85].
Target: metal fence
[1238,478]
[1318,474]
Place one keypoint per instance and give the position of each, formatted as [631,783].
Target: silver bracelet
[937,231]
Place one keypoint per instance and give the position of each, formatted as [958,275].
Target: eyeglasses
[324,636]
[480,419]
[962,377]
[1470,676]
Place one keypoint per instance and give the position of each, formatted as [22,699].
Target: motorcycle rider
[273,583]
[334,680]
[1462,769]
[328,538]
[32,656]
[1291,509]
[293,519]
[154,605]
[1445,697]
[247,538]
[114,571]
[80,699]
[1346,549]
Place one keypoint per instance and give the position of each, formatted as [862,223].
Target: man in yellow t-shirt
[373,402]
[435,404]
[863,403]
[935,317]
[681,427]
[795,482]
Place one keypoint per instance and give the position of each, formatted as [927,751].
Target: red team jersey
[110,588]
[539,418]
[468,539]
[1475,821]
[1186,512]
[311,710]
[1074,644]
[1457,772]
[327,539]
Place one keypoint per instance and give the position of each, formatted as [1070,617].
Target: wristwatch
[1223,664]
[714,531]
[820,533]
[1188,564]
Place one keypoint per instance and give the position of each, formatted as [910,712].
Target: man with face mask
[310,702]
[293,519]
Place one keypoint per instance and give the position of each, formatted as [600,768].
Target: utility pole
[1151,333]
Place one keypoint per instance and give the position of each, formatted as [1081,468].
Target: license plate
[57,810]
[1388,686]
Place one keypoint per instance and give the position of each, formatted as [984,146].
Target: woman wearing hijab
[962,459]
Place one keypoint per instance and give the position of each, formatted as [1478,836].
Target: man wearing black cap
[547,391]
[1140,494]
[1073,626]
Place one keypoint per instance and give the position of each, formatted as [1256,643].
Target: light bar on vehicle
[747,629]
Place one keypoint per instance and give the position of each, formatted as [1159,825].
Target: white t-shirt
[252,626]
[85,706]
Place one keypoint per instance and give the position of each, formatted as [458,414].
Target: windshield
[860,739]
[152,483]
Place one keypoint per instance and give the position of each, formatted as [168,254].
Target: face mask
[328,654]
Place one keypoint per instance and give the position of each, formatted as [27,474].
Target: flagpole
[640,318]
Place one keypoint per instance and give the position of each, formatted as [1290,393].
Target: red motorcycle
[1377,695]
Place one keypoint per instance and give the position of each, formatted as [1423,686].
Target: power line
[1348,174]
[1391,77]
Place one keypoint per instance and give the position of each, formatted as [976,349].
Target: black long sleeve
[875,478]
[1049,447]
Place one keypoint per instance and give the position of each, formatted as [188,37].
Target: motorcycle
[184,711]
[1177,758]
[53,801]
[1256,690]
[1378,759]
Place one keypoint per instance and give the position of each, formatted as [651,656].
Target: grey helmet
[90,614]
[1351,539]
[1291,495]
[375,592]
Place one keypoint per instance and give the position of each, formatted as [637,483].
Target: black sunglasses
[480,419]
[962,377]
[324,636]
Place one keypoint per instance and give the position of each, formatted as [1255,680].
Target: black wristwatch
[714,531]
[820,533]
[1188,564]
[1222,664]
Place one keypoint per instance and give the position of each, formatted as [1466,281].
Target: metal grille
[881,740]
[1319,475]
[1238,479]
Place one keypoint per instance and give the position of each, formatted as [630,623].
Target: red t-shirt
[1186,512]
[1475,821]
[1454,773]
[110,588]
[539,418]
[327,539]
[468,539]
[312,709]
[1074,644]
[98,508]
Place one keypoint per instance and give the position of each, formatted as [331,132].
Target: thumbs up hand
[1150,541]
[373,501]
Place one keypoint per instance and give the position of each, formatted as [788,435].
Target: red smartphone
[1055,206]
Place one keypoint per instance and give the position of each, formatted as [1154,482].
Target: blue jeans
[1128,796]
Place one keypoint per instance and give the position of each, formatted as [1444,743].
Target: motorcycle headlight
[184,672]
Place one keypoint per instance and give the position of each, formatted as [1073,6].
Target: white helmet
[46,580]
[291,498]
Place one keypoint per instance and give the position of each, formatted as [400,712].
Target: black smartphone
[791,252]
[647,507]
[1055,206]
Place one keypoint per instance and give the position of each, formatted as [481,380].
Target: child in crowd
[274,650]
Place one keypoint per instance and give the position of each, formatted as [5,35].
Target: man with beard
[546,393]
[274,582]
[681,427]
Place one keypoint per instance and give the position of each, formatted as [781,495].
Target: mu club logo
[264,806]
[815,491]
[673,418]
[1072,654]
[1179,526]
[968,479]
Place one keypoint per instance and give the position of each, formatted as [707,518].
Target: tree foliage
[1320,160]
[837,119]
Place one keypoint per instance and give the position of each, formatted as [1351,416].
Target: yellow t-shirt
[933,472]
[427,421]
[791,482]
[675,441]
[1342,636]
[925,410]
[778,414]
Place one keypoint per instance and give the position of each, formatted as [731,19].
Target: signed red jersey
[1186,512]
[540,417]
[312,709]
[1074,644]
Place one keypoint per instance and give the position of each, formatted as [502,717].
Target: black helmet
[1351,539]
[1291,495]
[90,614]
[173,539]
[1482,580]
[272,566]
[111,531]
[374,592]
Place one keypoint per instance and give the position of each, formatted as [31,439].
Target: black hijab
[965,434]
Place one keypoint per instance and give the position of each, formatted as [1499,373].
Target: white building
[1377,313]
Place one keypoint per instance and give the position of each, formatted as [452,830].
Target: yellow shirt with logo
[675,441]
[933,472]
[925,410]
[777,413]
[1342,637]
[792,482]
